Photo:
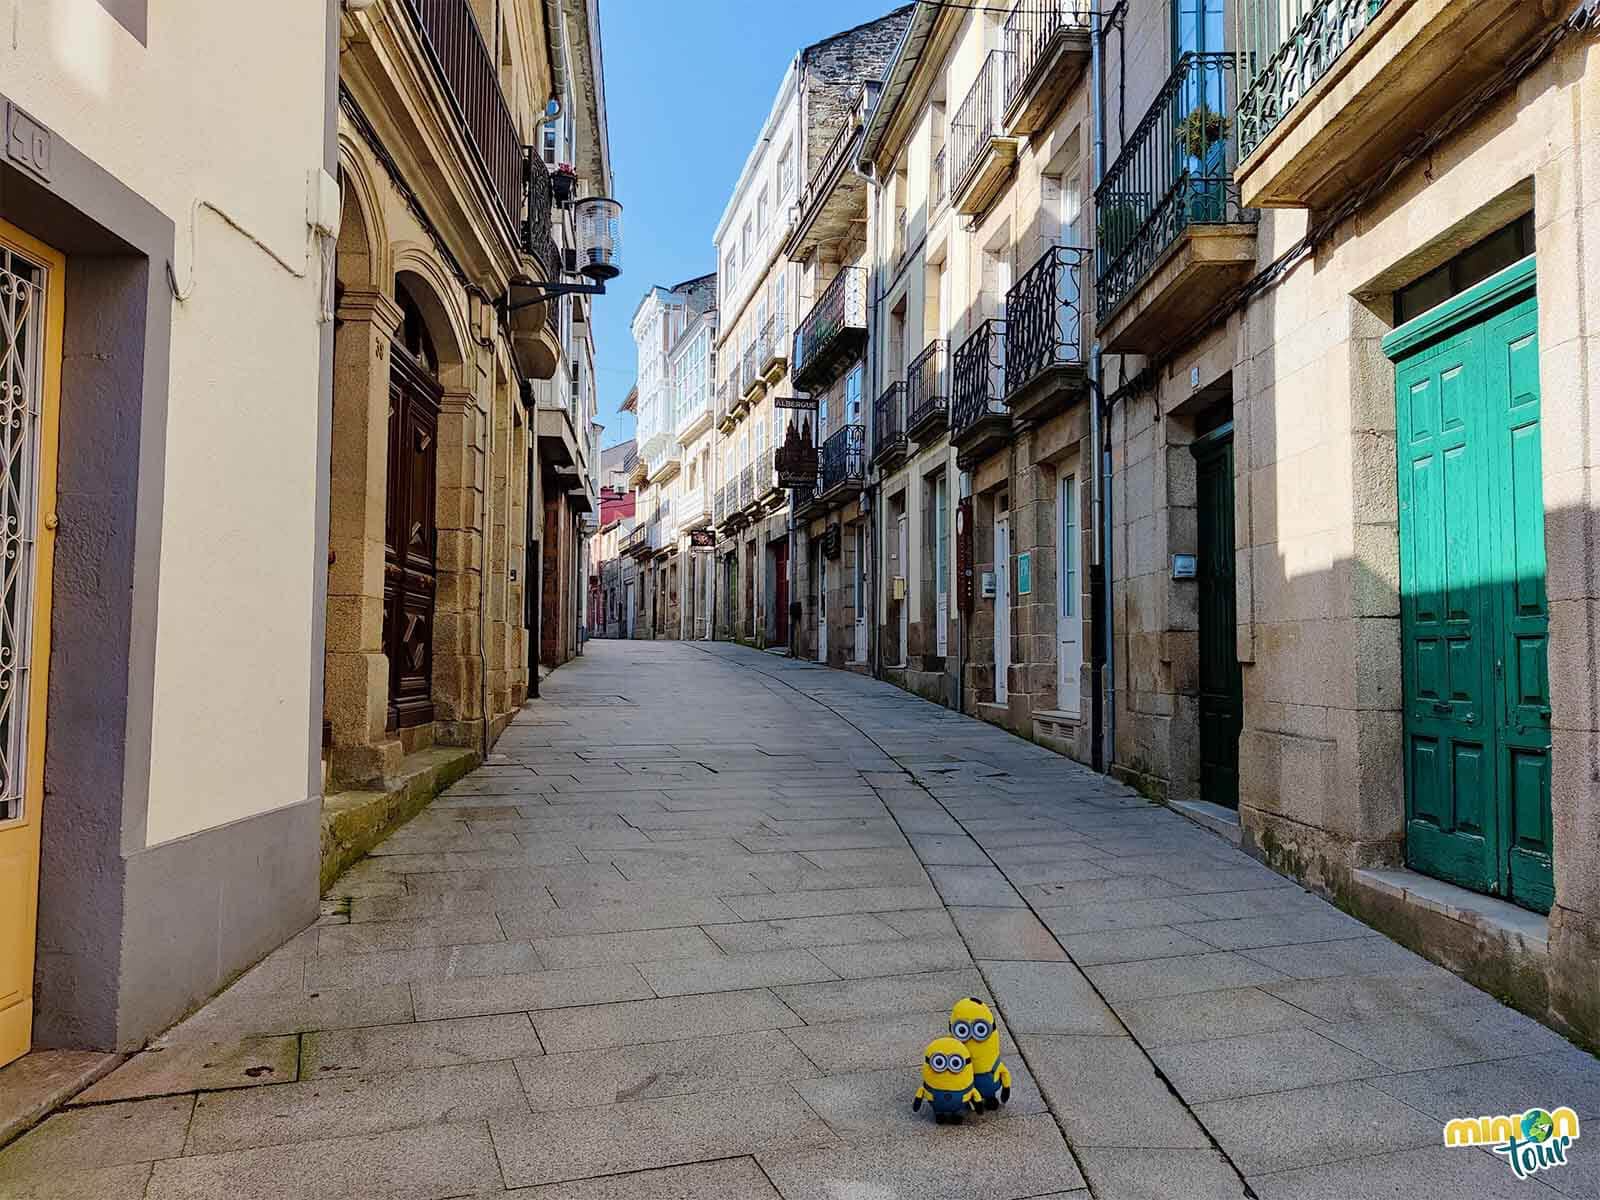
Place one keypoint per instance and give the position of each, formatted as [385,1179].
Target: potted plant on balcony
[563,182]
[1202,129]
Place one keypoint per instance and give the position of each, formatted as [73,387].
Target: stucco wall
[223,105]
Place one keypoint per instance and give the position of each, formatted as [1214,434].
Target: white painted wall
[225,105]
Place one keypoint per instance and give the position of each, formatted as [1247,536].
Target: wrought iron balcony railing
[451,32]
[901,219]
[719,514]
[747,487]
[538,242]
[1044,316]
[978,379]
[839,148]
[927,399]
[1175,171]
[889,423]
[1028,32]
[750,368]
[775,341]
[638,539]
[844,458]
[1290,45]
[832,333]
[937,181]
[977,120]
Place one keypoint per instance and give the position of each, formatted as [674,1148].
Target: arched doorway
[411,562]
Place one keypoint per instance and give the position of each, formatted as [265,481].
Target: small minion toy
[972,1024]
[947,1082]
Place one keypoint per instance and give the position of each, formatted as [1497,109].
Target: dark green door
[1474,619]
[1221,685]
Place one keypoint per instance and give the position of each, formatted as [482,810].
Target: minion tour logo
[1536,1140]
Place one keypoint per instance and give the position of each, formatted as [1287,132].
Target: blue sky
[688,84]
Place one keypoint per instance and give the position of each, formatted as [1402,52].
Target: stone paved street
[688,933]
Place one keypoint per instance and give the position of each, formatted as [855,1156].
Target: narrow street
[692,927]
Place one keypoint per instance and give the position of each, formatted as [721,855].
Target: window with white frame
[763,204]
[786,169]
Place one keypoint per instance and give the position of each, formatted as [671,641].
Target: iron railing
[1176,170]
[900,240]
[537,209]
[1044,316]
[926,396]
[1286,47]
[1029,30]
[750,371]
[936,182]
[978,378]
[889,422]
[854,123]
[638,538]
[720,510]
[844,457]
[841,310]
[775,342]
[747,487]
[469,72]
[977,121]
[728,393]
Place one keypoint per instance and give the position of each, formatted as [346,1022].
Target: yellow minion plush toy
[972,1024]
[947,1082]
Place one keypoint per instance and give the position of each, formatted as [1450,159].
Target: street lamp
[598,221]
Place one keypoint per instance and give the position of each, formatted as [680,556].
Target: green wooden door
[1221,684]
[1473,613]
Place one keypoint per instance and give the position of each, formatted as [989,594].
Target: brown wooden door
[410,574]
[780,588]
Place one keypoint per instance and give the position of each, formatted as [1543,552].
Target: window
[762,206]
[748,239]
[730,271]
[786,169]
[1473,265]
[779,301]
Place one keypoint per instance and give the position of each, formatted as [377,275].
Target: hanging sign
[964,597]
[796,460]
[702,539]
[803,403]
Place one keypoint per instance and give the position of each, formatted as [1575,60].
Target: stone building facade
[1346,386]
[1245,390]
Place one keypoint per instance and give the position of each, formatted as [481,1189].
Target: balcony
[468,69]
[767,486]
[752,381]
[1174,241]
[1047,48]
[637,469]
[1342,86]
[730,402]
[696,418]
[937,180]
[1045,342]
[833,333]
[666,462]
[889,425]
[980,422]
[748,499]
[719,515]
[775,348]
[637,543]
[843,463]
[983,157]
[694,510]
[835,195]
[927,399]
[536,328]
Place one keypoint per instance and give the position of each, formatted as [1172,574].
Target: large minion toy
[947,1082]
[972,1024]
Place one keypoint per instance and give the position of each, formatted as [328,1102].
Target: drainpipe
[1105,705]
